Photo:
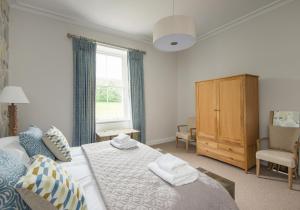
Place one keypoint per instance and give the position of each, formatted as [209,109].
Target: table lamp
[13,95]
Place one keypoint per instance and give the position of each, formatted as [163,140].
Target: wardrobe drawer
[216,154]
[231,155]
[207,143]
[233,149]
[206,150]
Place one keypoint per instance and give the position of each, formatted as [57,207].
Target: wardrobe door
[205,110]
[230,110]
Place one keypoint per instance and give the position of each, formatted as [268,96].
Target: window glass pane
[100,66]
[114,94]
[114,66]
[109,103]
[112,98]
[101,94]
[109,111]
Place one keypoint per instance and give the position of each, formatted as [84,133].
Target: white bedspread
[125,182]
[79,169]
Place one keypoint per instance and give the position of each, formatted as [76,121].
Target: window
[112,89]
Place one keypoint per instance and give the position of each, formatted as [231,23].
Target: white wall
[268,46]
[41,62]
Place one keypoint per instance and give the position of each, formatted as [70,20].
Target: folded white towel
[121,138]
[186,176]
[170,163]
[126,145]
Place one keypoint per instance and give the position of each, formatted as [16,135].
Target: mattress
[80,171]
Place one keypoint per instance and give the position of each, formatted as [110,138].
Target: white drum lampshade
[13,95]
[174,33]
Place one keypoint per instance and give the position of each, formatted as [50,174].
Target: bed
[120,179]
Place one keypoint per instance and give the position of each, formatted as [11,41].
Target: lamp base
[12,115]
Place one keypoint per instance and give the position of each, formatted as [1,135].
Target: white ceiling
[137,17]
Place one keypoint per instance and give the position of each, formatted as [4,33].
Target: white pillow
[11,144]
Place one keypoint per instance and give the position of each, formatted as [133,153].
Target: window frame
[125,87]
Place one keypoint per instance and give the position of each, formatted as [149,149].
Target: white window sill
[112,121]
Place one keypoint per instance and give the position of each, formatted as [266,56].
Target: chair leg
[187,144]
[270,166]
[273,166]
[290,177]
[278,167]
[257,167]
[176,141]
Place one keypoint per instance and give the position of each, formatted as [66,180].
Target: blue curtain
[84,75]
[136,74]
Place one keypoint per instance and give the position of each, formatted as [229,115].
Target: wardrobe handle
[216,110]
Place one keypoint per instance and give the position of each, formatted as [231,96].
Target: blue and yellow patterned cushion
[47,185]
[11,169]
[32,142]
[57,144]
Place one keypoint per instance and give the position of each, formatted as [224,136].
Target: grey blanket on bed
[125,182]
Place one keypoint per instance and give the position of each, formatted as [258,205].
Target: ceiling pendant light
[174,33]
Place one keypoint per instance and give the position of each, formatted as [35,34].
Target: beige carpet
[269,193]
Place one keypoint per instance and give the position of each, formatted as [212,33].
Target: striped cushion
[47,185]
[57,144]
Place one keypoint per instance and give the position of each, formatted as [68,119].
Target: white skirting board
[160,141]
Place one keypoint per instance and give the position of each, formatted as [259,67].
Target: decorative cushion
[11,144]
[32,142]
[48,185]
[11,169]
[57,144]
[278,157]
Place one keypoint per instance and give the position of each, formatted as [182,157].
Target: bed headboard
[4,14]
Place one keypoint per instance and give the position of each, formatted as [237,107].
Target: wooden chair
[283,149]
[186,132]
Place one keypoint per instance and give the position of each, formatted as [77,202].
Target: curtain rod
[104,43]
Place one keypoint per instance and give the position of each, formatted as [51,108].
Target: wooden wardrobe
[227,119]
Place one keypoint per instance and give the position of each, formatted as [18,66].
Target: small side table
[109,134]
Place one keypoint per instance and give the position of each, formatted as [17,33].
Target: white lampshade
[13,94]
[174,33]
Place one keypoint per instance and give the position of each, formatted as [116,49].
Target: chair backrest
[282,138]
[191,122]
